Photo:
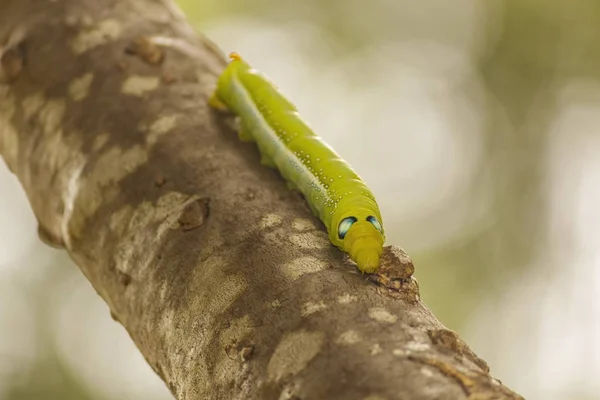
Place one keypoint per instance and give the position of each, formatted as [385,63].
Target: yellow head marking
[364,243]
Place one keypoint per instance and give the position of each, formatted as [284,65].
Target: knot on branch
[194,214]
[144,48]
[394,275]
[447,340]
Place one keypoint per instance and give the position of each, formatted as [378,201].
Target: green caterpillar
[334,192]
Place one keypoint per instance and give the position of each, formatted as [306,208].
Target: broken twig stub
[394,275]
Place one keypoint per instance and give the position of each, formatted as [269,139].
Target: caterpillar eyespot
[331,187]
[374,222]
[345,225]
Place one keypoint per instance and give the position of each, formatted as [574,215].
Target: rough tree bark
[225,282]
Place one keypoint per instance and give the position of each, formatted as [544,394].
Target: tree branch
[225,282]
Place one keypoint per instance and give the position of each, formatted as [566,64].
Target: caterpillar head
[359,232]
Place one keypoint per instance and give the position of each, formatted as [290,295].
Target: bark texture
[225,282]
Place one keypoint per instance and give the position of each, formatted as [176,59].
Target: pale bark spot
[79,88]
[102,33]
[178,44]
[400,352]
[375,397]
[302,224]
[347,298]
[32,104]
[58,153]
[349,337]
[161,126]
[167,321]
[51,115]
[73,20]
[215,290]
[100,140]
[130,223]
[375,349]
[118,219]
[310,308]
[269,221]
[427,372]
[288,392]
[100,184]
[9,139]
[62,153]
[69,199]
[310,240]
[137,85]
[382,315]
[274,304]
[117,163]
[417,346]
[304,265]
[411,347]
[213,293]
[293,353]
[162,293]
[222,293]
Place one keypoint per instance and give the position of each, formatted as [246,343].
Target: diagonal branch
[225,282]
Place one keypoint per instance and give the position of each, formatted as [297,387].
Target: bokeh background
[476,123]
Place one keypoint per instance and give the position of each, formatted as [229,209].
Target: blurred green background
[476,123]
